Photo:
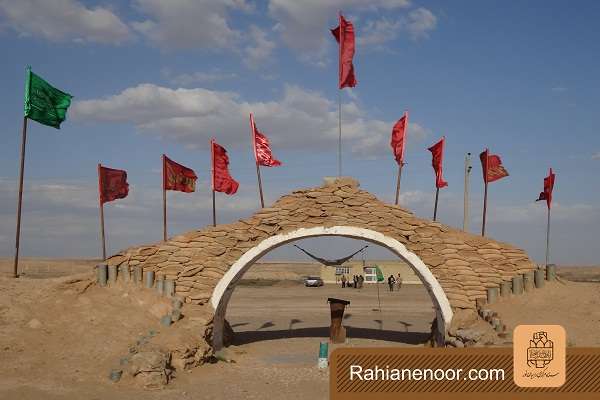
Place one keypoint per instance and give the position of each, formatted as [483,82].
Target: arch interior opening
[280,302]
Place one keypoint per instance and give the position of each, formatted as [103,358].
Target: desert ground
[60,335]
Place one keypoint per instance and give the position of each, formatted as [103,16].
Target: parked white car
[313,281]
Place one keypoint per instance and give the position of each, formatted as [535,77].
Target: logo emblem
[539,355]
[540,351]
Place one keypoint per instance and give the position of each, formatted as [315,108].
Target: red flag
[262,148]
[221,180]
[548,187]
[437,153]
[491,165]
[112,184]
[344,35]
[177,177]
[399,138]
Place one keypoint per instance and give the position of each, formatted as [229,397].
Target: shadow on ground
[412,338]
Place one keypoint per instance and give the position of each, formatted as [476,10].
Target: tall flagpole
[437,195]
[164,188]
[101,206]
[340,96]
[548,239]
[485,194]
[20,201]
[466,194]
[212,180]
[398,182]
[260,189]
[340,133]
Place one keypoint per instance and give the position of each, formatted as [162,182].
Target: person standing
[391,282]
[399,281]
[343,281]
[361,280]
[355,281]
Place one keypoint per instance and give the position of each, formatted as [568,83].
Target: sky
[151,77]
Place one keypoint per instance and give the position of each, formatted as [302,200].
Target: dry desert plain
[60,334]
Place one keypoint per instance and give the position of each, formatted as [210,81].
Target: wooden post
[466,194]
[20,201]
[337,332]
[164,181]
[548,239]
[101,207]
[398,182]
[437,195]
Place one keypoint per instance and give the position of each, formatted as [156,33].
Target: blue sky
[151,77]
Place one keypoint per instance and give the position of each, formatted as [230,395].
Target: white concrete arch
[225,287]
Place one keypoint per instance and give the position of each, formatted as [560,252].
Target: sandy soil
[46,267]
[290,310]
[574,305]
[60,337]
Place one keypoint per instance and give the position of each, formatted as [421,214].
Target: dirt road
[291,310]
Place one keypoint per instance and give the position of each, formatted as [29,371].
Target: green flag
[380,277]
[43,102]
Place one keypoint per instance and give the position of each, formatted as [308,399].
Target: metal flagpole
[340,96]
[164,176]
[378,298]
[212,179]
[260,190]
[214,208]
[548,239]
[466,194]
[437,195]
[340,132]
[398,182]
[101,206]
[20,201]
[485,193]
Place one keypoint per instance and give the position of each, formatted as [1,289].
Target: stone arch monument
[455,267]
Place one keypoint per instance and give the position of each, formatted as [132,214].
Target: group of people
[357,281]
[395,282]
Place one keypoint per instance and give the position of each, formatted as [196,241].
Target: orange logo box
[539,355]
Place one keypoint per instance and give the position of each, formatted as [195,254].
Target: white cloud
[181,24]
[377,143]
[199,77]
[304,24]
[64,20]
[375,33]
[258,52]
[60,218]
[596,156]
[559,89]
[299,119]
[420,22]
[378,32]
